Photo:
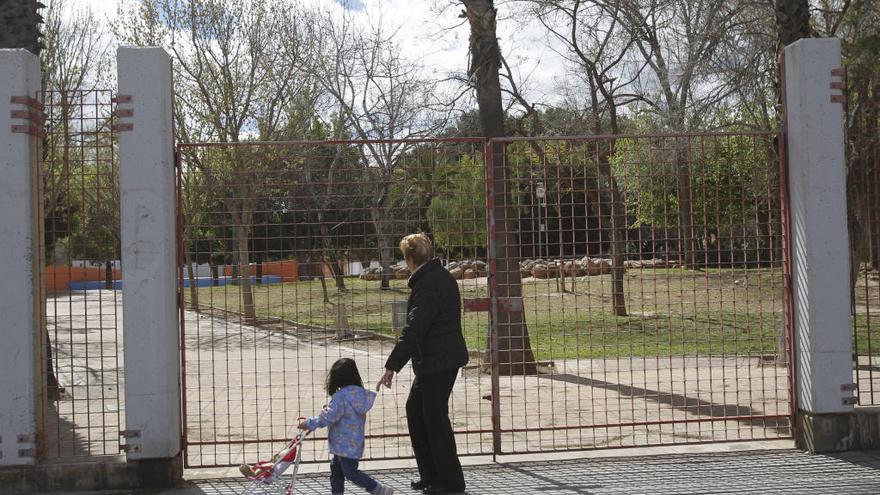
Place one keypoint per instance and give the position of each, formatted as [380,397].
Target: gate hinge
[27,453]
[838,85]
[130,433]
[130,447]
[850,401]
[849,387]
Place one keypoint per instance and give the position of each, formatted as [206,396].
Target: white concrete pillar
[819,236]
[150,317]
[20,350]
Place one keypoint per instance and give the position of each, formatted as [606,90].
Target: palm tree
[515,354]
[21,25]
[792,21]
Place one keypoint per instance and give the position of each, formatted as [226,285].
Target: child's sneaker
[246,470]
[383,490]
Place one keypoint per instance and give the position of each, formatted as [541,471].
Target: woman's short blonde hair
[418,248]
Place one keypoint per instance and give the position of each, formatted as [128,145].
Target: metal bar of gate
[785,227]
[492,255]
[178,167]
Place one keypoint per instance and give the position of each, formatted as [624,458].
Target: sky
[430,31]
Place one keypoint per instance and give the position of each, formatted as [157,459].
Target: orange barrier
[288,270]
[56,277]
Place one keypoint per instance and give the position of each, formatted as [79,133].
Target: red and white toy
[270,472]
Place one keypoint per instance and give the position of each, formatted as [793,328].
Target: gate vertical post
[819,245]
[149,256]
[22,354]
[492,255]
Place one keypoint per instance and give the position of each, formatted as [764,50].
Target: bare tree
[598,47]
[681,40]
[235,83]
[382,99]
[72,55]
[73,62]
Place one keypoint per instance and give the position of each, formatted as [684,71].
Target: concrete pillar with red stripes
[149,281]
[21,351]
[819,243]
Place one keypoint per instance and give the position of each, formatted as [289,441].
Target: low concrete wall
[838,432]
[90,475]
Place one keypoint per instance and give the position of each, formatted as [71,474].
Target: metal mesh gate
[82,314]
[863,201]
[292,262]
[637,285]
[651,279]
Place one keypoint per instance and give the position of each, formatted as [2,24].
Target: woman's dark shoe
[442,490]
[418,485]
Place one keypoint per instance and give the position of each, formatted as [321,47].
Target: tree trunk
[330,255]
[244,271]
[24,30]
[323,283]
[515,354]
[792,21]
[193,285]
[235,271]
[618,233]
[215,274]
[108,275]
[383,237]
[684,195]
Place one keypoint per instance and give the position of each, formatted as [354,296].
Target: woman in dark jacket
[432,339]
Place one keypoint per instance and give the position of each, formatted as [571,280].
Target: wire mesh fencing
[292,262]
[79,198]
[863,201]
[650,272]
[618,291]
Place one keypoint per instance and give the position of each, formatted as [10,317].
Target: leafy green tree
[457,212]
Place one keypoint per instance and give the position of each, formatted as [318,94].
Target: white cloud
[430,32]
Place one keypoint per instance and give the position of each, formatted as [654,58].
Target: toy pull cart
[267,477]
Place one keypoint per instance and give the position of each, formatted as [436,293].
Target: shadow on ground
[748,472]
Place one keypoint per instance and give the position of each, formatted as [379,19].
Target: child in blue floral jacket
[345,417]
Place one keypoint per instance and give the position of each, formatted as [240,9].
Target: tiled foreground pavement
[756,472]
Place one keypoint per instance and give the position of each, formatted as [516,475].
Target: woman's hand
[386,380]
[302,426]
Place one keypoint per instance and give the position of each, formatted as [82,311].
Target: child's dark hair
[343,373]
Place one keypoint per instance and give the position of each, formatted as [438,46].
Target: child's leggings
[341,469]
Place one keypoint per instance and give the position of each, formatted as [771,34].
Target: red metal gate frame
[495,305]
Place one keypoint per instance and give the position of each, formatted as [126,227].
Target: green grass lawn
[671,312]
[867,332]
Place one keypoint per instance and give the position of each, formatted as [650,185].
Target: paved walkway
[246,385]
[750,472]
